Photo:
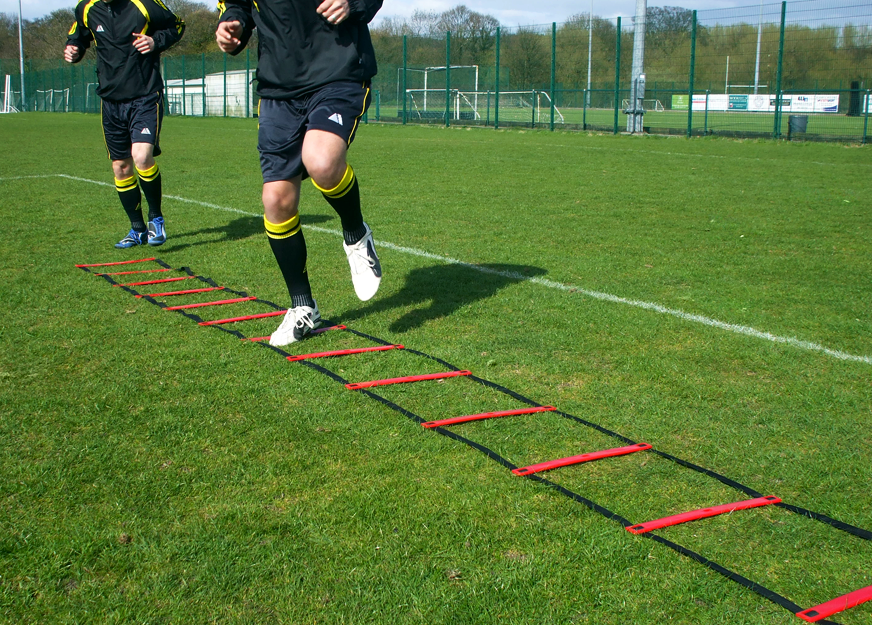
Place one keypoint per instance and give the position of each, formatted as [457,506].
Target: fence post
[247,83]
[405,66]
[553,68]
[447,78]
[225,84]
[691,76]
[778,95]
[866,115]
[377,105]
[184,97]
[617,74]
[705,125]
[497,88]
[204,84]
[584,110]
[84,92]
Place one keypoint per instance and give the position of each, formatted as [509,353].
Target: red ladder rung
[345,352]
[218,322]
[215,303]
[125,273]
[486,415]
[588,457]
[315,331]
[840,604]
[702,513]
[411,378]
[187,292]
[157,281]
[123,262]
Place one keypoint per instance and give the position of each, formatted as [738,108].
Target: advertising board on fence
[759,103]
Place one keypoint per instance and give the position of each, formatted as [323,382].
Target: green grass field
[709,297]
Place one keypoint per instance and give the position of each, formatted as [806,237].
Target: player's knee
[279,202]
[122,169]
[326,172]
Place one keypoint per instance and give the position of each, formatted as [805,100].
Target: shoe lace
[359,253]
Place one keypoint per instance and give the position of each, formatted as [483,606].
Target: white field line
[607,297]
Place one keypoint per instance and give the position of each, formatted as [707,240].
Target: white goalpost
[648,105]
[7,96]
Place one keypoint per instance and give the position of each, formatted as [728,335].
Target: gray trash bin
[796,123]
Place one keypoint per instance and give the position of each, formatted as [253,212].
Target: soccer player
[129,36]
[313,77]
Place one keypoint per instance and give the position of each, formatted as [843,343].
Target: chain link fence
[800,69]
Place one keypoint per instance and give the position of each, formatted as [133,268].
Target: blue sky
[509,12]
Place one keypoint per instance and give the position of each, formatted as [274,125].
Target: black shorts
[132,121]
[335,108]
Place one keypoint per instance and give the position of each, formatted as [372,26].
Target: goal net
[648,105]
[514,106]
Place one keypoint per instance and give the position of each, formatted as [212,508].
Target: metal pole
[635,110]
[692,69]
[21,56]
[727,79]
[225,84]
[184,97]
[617,74]
[866,116]
[405,59]
[204,84]
[247,83]
[589,49]
[553,68]
[759,39]
[497,88]
[778,94]
[447,78]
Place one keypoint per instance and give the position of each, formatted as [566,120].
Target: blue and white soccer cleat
[132,239]
[157,234]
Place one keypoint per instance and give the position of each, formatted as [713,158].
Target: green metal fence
[801,69]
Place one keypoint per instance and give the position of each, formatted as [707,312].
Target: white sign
[766,103]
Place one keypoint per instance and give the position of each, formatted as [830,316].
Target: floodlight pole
[759,39]
[589,48]
[21,56]
[635,110]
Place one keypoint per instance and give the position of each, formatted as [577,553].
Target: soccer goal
[8,95]
[532,106]
[53,100]
[648,105]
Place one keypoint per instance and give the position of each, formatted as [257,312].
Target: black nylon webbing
[605,512]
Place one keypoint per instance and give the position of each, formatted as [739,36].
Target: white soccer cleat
[366,270]
[297,324]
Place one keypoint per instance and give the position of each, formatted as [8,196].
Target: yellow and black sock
[131,201]
[150,181]
[345,200]
[289,248]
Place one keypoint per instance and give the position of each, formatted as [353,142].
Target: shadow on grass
[438,291]
[240,228]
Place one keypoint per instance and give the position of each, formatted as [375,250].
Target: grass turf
[154,470]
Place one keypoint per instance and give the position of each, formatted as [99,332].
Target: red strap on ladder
[157,281]
[123,262]
[315,331]
[703,513]
[344,352]
[125,273]
[594,455]
[218,322]
[189,291]
[840,604]
[486,415]
[412,378]
[215,303]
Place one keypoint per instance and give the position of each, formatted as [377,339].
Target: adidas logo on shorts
[146,131]
[100,28]
[336,117]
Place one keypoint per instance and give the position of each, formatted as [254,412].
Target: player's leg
[145,124]
[117,139]
[333,120]
[279,143]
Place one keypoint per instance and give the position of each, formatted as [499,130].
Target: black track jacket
[122,72]
[298,50]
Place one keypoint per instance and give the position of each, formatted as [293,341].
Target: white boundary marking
[607,297]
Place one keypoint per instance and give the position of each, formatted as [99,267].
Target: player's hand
[334,11]
[228,36]
[143,43]
[72,54]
